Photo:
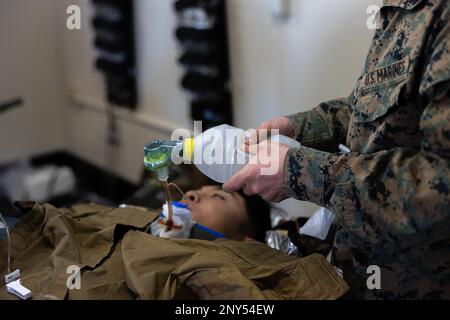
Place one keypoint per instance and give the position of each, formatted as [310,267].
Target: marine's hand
[281,123]
[264,174]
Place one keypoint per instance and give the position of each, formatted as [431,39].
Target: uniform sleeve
[399,192]
[437,65]
[403,190]
[324,124]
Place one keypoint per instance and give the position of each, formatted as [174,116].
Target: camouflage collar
[406,4]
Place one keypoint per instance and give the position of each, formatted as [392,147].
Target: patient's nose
[193,196]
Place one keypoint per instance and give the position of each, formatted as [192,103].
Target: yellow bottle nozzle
[188,149]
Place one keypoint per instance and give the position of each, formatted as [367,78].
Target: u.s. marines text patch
[395,71]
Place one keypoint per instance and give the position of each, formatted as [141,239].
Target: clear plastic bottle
[218,152]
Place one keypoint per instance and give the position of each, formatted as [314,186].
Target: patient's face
[218,210]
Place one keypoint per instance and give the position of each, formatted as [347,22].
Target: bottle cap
[188,149]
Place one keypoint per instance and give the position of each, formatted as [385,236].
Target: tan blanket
[118,260]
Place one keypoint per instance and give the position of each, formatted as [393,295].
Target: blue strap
[179,204]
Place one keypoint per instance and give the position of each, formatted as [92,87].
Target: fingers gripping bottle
[218,152]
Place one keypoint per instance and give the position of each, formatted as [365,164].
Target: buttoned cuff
[306,174]
[296,122]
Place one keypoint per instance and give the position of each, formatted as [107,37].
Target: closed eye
[216,195]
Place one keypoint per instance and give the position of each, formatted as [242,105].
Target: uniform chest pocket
[378,91]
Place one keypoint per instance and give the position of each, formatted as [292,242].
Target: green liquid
[157,159]
[157,154]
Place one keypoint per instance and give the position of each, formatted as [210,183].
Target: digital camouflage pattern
[392,192]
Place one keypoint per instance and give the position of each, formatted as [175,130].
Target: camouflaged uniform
[392,192]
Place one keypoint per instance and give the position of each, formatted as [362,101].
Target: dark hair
[258,212]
